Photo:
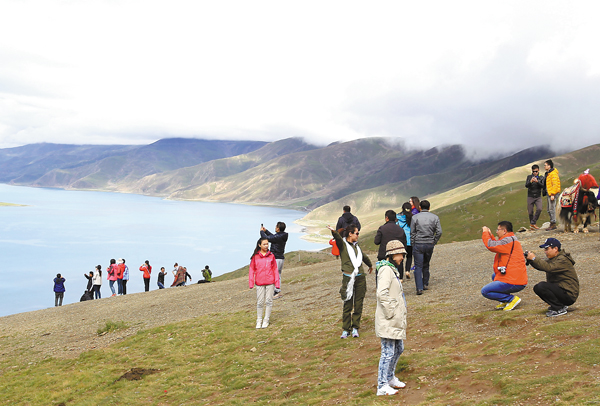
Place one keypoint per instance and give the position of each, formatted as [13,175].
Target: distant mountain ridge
[288,173]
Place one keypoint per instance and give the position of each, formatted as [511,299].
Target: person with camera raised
[535,185]
[561,288]
[510,271]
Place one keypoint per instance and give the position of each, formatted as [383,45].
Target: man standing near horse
[535,186]
[552,189]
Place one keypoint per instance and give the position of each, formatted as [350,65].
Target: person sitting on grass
[561,288]
[510,271]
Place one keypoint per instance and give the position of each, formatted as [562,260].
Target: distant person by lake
[59,290]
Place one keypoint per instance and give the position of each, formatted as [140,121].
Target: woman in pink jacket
[112,272]
[264,274]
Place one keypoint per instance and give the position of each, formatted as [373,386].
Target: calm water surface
[69,232]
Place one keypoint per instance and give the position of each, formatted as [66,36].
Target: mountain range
[288,173]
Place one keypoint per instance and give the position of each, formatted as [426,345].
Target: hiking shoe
[512,304]
[113,295]
[386,390]
[501,306]
[407,274]
[396,383]
[258,323]
[354,333]
[419,292]
[559,312]
[344,334]
[425,287]
[552,227]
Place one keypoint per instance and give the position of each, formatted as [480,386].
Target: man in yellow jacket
[552,189]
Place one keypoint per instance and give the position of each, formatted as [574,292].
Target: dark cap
[551,242]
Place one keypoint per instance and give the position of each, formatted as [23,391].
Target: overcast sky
[490,75]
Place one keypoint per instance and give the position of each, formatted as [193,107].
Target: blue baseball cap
[551,242]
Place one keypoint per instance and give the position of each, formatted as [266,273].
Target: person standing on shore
[535,186]
[415,205]
[90,282]
[354,280]
[98,282]
[264,274]
[561,288]
[125,276]
[390,317]
[425,232]
[147,270]
[112,276]
[404,220]
[346,219]
[120,269]
[552,189]
[388,232]
[510,271]
[278,241]
[161,278]
[59,290]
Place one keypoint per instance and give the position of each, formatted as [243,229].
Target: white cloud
[432,72]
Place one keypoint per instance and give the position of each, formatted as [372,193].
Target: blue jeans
[120,286]
[390,353]
[112,286]
[160,285]
[422,254]
[501,291]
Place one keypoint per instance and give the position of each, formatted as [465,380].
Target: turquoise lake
[70,232]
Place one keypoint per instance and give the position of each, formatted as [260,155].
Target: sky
[493,76]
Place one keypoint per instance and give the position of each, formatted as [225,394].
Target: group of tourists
[559,291]
[538,186]
[118,273]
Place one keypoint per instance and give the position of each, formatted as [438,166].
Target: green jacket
[347,266]
[560,270]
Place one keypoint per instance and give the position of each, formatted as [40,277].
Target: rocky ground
[459,270]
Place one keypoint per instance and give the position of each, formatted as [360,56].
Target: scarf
[356,259]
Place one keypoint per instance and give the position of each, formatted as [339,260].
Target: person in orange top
[510,270]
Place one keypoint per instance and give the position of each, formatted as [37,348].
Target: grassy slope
[486,359]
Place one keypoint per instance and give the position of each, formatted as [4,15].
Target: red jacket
[334,249]
[516,270]
[114,270]
[120,270]
[263,270]
[146,270]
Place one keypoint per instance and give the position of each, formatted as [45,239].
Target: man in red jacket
[510,270]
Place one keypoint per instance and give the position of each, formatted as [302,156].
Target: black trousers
[146,284]
[125,286]
[553,294]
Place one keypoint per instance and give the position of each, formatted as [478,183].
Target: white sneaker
[258,323]
[396,383]
[265,323]
[386,390]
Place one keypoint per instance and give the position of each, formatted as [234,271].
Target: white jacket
[97,278]
[390,316]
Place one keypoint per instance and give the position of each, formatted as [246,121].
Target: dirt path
[459,270]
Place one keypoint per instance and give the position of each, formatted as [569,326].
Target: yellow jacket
[553,182]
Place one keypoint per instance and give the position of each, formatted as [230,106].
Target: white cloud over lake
[491,75]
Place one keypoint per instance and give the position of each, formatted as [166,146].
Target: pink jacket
[263,270]
[114,268]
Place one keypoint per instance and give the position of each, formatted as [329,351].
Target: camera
[526,260]
[502,269]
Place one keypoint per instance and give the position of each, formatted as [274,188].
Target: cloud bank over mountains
[495,77]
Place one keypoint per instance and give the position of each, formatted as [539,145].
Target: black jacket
[534,189]
[388,232]
[277,242]
[345,220]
